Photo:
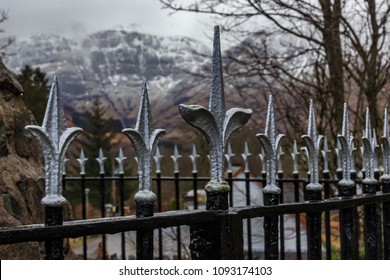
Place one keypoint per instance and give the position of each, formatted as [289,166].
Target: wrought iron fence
[219,230]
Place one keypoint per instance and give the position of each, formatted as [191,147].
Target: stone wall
[21,168]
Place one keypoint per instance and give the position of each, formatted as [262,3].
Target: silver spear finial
[100,159]
[82,160]
[270,143]
[325,152]
[262,160]
[346,150]
[295,155]
[145,140]
[54,138]
[228,156]
[245,156]
[313,143]
[369,148]
[280,161]
[339,156]
[120,160]
[216,124]
[157,160]
[175,157]
[66,160]
[194,158]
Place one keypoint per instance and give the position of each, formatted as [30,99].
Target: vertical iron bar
[271,250]
[370,222]
[122,209]
[54,248]
[144,237]
[230,182]
[177,207]
[249,223]
[195,188]
[386,221]
[159,209]
[102,212]
[327,216]
[314,228]
[84,213]
[297,216]
[281,218]
[377,174]
[347,223]
[356,222]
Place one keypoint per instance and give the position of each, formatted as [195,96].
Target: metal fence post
[245,157]
[145,140]
[157,160]
[54,138]
[194,157]
[82,160]
[270,143]
[386,186]
[175,157]
[314,188]
[295,155]
[217,125]
[370,188]
[121,171]
[346,190]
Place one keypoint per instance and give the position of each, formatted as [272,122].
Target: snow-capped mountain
[113,64]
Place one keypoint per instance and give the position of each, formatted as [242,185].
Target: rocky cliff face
[112,65]
[21,168]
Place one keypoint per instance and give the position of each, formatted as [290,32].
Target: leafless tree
[330,50]
[4,44]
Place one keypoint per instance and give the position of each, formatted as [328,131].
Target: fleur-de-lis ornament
[313,142]
[157,160]
[229,157]
[215,123]
[175,157]
[145,140]
[194,158]
[346,155]
[295,155]
[245,156]
[270,142]
[120,160]
[82,161]
[369,151]
[54,138]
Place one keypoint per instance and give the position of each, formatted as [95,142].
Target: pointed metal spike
[175,157]
[368,129]
[217,95]
[325,151]
[54,138]
[120,160]
[386,148]
[270,129]
[245,156]
[82,160]
[306,154]
[101,160]
[157,160]
[66,160]
[339,156]
[194,157]
[353,151]
[295,154]
[385,125]
[280,161]
[312,127]
[144,118]
[345,129]
[228,156]
[270,143]
[262,160]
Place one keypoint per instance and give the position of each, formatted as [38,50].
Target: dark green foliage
[35,91]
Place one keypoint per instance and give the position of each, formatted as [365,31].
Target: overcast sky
[78,17]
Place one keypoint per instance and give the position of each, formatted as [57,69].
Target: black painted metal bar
[370,221]
[347,226]
[356,221]
[122,213]
[281,217]
[297,217]
[84,213]
[195,188]
[328,245]
[54,249]
[144,235]
[230,182]
[379,232]
[386,222]
[159,209]
[248,221]
[177,207]
[314,228]
[103,212]
[271,234]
